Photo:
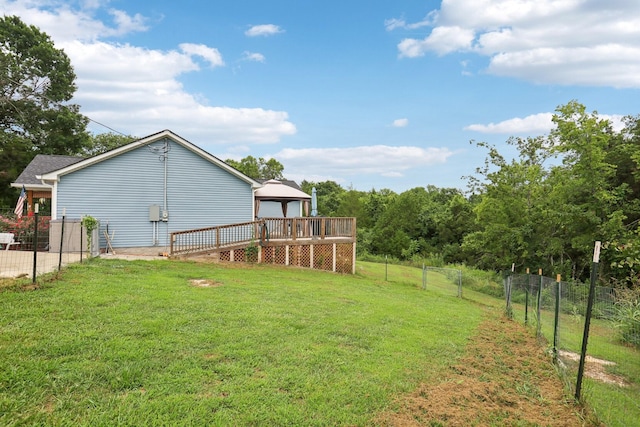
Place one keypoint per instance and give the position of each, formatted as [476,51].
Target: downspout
[166,160]
[165,206]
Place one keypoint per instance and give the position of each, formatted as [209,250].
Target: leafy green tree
[375,205]
[624,152]
[36,85]
[621,251]
[328,193]
[585,183]
[397,231]
[352,205]
[271,169]
[549,217]
[258,168]
[455,221]
[103,142]
[510,202]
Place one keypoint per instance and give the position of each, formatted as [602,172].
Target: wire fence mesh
[453,276]
[34,245]
[557,309]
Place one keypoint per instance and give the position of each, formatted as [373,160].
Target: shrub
[627,317]
[23,228]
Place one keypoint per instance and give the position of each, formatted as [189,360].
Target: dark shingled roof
[43,163]
[288,182]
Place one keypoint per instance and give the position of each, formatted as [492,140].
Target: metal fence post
[526,298]
[587,319]
[508,285]
[539,321]
[386,268]
[64,211]
[555,321]
[35,241]
[81,241]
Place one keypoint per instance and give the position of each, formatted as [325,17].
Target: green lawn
[117,342]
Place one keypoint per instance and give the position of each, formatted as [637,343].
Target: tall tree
[258,168]
[508,212]
[585,185]
[398,231]
[329,195]
[375,205]
[36,85]
[549,217]
[103,142]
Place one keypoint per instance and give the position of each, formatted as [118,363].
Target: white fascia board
[36,187]
[55,175]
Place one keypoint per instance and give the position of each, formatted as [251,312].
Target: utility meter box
[165,215]
[154,213]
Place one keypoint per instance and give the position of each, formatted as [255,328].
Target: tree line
[545,208]
[542,209]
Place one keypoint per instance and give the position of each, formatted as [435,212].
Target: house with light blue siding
[151,187]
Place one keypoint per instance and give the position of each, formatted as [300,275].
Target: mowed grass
[116,342]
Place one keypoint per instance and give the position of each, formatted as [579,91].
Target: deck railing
[259,232]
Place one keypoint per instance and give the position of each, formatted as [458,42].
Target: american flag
[20,205]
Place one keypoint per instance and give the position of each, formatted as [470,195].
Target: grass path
[504,379]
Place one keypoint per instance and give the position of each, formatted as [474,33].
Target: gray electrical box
[154,213]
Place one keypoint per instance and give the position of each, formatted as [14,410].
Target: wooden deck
[320,243]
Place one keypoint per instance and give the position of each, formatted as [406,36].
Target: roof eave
[31,186]
[55,175]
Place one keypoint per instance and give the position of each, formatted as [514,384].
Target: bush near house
[23,230]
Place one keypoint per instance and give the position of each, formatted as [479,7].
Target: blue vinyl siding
[120,190]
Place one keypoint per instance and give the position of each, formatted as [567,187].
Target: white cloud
[263,30]
[253,56]
[535,124]
[136,90]
[392,175]
[63,23]
[392,24]
[210,54]
[609,65]
[126,24]
[442,40]
[400,123]
[545,41]
[381,160]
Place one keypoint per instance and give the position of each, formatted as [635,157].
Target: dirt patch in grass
[594,368]
[504,378]
[204,283]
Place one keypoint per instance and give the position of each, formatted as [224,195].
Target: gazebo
[276,191]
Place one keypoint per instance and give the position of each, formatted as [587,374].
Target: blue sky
[373,94]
